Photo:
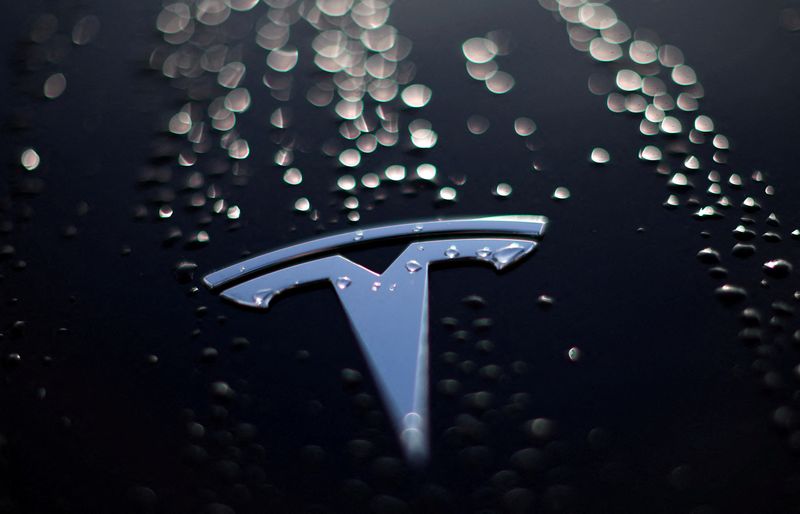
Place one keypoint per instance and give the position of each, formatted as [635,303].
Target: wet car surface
[641,359]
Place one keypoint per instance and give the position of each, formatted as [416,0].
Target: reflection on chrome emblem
[388,311]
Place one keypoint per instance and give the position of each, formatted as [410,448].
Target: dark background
[666,411]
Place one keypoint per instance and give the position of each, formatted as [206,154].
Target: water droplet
[574,354]
[730,294]
[30,159]
[451,252]
[413,266]
[343,282]
[778,268]
[502,190]
[561,193]
[507,254]
[262,297]
[600,156]
[358,236]
[376,286]
[484,253]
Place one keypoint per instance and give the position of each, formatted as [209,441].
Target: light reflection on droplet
[350,158]
[524,126]
[561,193]
[416,95]
[600,155]
[597,16]
[500,83]
[629,80]
[503,190]
[426,171]
[293,176]
[55,85]
[477,124]
[30,159]
[479,49]
[346,182]
[704,124]
[370,180]
[395,172]
[447,194]
[650,153]
[603,51]
[684,75]
[302,204]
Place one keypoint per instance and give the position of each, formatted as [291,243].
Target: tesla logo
[388,311]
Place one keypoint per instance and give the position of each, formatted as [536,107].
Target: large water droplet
[507,254]
[778,268]
[451,252]
[262,297]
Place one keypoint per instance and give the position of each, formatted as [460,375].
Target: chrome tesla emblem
[388,311]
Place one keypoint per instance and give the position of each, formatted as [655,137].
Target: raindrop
[479,49]
[477,124]
[413,266]
[778,268]
[447,194]
[600,155]
[500,83]
[55,85]
[302,204]
[561,193]
[293,176]
[507,254]
[30,159]
[451,252]
[416,95]
[524,126]
[502,189]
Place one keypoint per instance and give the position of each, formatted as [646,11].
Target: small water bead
[353,216]
[604,51]
[671,202]
[413,266]
[477,124]
[395,172]
[30,159]
[684,75]
[778,268]
[500,83]
[343,282]
[721,142]
[507,254]
[502,190]
[55,85]
[293,176]
[451,252]
[692,163]
[302,204]
[484,253]
[350,158]
[561,193]
[524,126]
[574,354]
[416,95]
[730,294]
[370,180]
[600,156]
[426,171]
[671,125]
[282,59]
[376,285]
[704,124]
[650,153]
[346,182]
[447,194]
[479,50]
[262,297]
[628,80]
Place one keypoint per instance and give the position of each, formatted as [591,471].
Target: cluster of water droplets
[650,80]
